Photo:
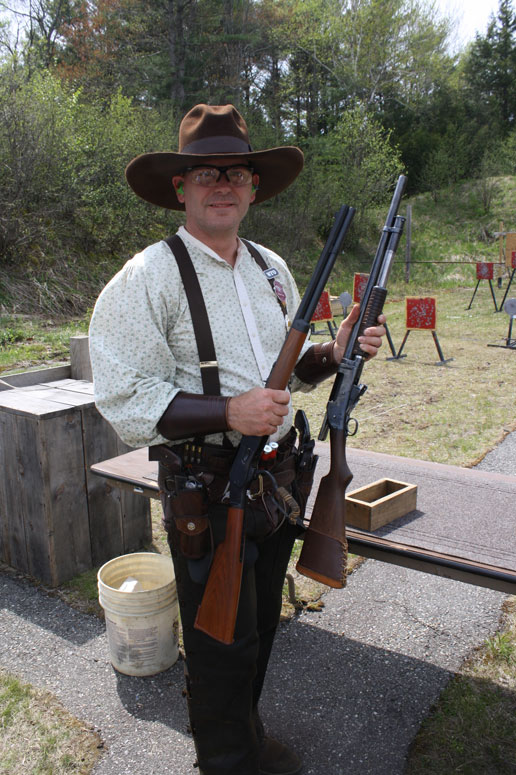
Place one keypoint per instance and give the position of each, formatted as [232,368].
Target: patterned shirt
[142,345]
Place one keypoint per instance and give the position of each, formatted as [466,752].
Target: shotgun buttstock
[324,559]
[324,554]
[217,613]
[325,550]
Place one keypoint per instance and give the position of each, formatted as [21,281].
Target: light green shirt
[142,345]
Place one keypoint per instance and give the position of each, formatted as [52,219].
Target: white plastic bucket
[142,626]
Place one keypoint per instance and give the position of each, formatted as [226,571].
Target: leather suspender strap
[255,254]
[266,269]
[201,325]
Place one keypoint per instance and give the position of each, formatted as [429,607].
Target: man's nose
[223,183]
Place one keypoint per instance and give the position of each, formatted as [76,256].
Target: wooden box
[379,503]
[57,519]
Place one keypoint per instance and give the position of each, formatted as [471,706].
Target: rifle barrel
[392,247]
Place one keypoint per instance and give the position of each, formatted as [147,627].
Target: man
[157,386]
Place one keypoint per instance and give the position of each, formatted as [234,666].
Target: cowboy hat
[208,131]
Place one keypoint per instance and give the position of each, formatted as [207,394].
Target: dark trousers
[224,683]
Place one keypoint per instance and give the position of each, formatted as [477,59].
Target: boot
[275,758]
[226,744]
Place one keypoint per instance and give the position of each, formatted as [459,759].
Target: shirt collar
[194,242]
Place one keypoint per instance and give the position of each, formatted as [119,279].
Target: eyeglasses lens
[209,176]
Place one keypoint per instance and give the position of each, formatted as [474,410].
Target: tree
[355,163]
[35,185]
[182,51]
[62,189]
[490,71]
[41,22]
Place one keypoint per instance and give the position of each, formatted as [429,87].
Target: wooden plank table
[463,526]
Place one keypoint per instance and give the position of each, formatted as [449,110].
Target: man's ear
[177,182]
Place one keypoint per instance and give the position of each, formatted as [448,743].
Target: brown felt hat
[208,131]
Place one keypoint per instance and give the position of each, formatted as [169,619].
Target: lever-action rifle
[324,553]
[217,612]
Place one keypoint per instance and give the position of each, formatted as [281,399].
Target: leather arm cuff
[317,364]
[191,414]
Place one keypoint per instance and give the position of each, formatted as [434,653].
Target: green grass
[39,737]
[26,341]
[82,592]
[472,728]
[415,407]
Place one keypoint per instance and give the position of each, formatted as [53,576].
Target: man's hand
[370,341]
[259,412]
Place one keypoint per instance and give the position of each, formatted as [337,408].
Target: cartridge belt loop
[209,457]
[192,454]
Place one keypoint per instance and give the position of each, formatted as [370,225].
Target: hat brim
[150,175]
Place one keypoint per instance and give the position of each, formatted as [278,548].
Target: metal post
[493,295]
[408,243]
[507,289]
[389,339]
[442,359]
[474,292]
[399,355]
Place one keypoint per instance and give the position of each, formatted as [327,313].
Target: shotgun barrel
[217,613]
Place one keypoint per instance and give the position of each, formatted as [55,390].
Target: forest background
[367,88]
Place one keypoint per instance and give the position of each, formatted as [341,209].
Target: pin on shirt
[272,276]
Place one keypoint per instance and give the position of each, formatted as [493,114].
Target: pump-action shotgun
[324,553]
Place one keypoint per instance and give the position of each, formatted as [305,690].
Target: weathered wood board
[56,519]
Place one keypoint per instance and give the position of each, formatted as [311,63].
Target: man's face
[215,210]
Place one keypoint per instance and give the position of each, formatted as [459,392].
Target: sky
[472,16]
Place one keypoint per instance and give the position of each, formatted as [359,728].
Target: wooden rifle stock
[216,616]
[325,548]
[217,613]
[324,553]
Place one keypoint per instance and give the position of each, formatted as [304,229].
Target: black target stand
[507,289]
[510,308]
